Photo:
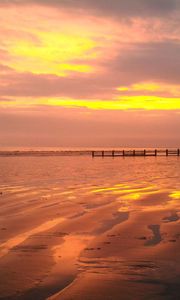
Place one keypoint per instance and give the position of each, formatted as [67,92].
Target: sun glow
[120,103]
[52,53]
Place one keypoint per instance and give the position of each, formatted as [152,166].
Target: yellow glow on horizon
[123,103]
[120,103]
[53,53]
[152,87]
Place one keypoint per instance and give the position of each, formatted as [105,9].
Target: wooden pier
[131,153]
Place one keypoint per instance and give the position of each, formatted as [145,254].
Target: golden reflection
[121,189]
[125,208]
[107,189]
[13,242]
[175,195]
[133,196]
[71,248]
[144,198]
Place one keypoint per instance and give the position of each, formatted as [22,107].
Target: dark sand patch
[154,199]
[116,218]
[156,238]
[172,218]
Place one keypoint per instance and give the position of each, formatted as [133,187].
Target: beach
[77,227]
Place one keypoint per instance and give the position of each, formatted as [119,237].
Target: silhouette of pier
[131,153]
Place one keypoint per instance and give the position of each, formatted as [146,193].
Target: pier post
[145,152]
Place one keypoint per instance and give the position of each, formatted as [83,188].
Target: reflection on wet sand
[93,239]
[19,239]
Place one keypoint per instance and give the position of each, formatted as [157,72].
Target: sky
[89,73]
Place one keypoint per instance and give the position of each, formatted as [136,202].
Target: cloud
[130,8]
[4,69]
[149,61]
[46,57]
[143,62]
[120,8]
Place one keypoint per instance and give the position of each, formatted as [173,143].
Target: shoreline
[90,152]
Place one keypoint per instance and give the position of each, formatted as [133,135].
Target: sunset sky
[89,73]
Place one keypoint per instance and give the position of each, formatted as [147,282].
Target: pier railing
[145,152]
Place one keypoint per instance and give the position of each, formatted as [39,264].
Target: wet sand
[77,228]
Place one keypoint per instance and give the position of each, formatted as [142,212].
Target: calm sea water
[72,170]
[59,215]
